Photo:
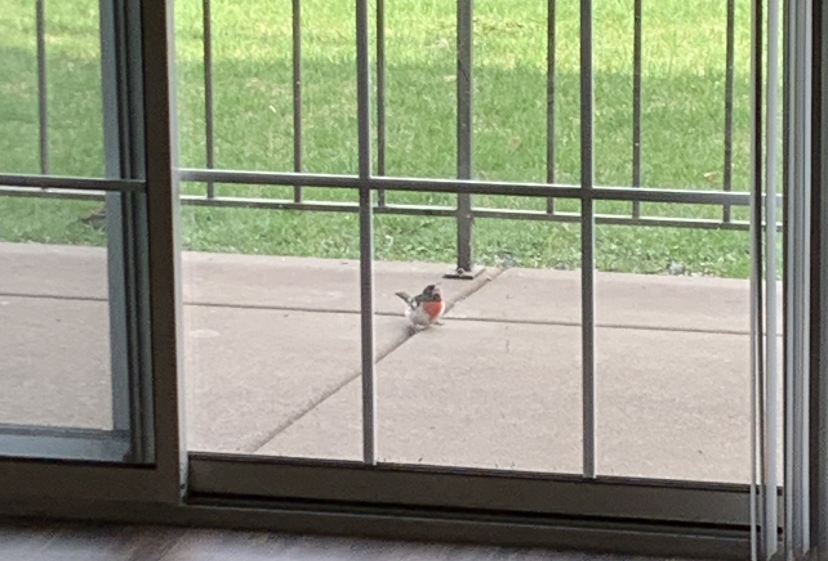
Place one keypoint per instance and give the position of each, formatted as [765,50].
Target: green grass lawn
[682,138]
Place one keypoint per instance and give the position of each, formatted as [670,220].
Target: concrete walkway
[272,362]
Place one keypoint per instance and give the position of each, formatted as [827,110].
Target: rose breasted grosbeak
[425,308]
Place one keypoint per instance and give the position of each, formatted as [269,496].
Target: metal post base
[460,273]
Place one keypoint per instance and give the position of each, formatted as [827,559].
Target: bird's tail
[407,297]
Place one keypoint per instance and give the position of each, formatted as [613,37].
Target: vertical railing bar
[42,99]
[366,242]
[550,101]
[636,156]
[587,245]
[772,133]
[727,177]
[208,93]
[756,316]
[381,96]
[296,16]
[464,132]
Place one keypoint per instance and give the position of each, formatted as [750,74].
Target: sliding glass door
[86,258]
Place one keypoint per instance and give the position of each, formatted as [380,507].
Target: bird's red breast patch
[434,308]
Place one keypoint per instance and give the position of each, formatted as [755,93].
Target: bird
[425,308]
[96,218]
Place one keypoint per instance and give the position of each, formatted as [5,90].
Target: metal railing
[465,212]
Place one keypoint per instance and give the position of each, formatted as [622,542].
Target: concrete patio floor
[272,361]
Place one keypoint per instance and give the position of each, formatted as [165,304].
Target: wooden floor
[72,542]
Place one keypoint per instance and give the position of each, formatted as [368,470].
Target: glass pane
[61,378]
[71,97]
